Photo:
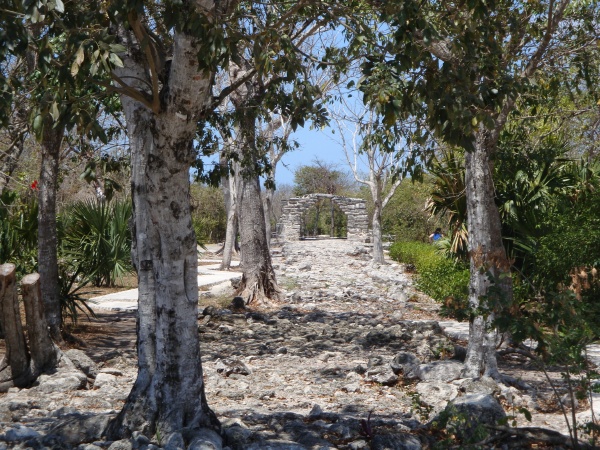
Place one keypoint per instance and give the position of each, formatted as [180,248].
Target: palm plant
[448,198]
[97,238]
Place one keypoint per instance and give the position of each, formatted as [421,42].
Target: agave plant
[97,238]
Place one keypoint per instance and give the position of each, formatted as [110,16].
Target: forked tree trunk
[487,254]
[44,353]
[23,363]
[14,368]
[47,237]
[168,394]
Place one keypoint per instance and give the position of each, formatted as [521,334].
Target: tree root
[522,437]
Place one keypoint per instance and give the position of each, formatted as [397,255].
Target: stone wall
[354,208]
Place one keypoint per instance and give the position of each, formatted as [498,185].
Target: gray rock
[123,444]
[407,364]
[446,370]
[83,362]
[382,374]
[20,433]
[304,266]
[237,436]
[275,444]
[358,445]
[81,428]
[229,366]
[483,385]
[466,416]
[61,382]
[436,394]
[104,379]
[205,439]
[403,441]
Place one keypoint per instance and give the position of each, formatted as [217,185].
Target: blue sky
[313,144]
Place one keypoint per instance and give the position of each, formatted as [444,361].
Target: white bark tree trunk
[168,395]
[47,235]
[486,252]
[228,186]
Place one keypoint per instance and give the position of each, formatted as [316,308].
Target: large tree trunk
[258,284]
[168,394]
[47,237]
[487,255]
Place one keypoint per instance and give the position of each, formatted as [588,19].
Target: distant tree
[322,178]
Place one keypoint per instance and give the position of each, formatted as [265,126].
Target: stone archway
[355,209]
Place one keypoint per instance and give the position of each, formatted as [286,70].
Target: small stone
[20,433]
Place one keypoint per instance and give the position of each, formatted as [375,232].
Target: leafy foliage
[443,279]
[208,213]
[18,231]
[97,237]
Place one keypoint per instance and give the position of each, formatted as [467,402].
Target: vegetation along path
[325,368]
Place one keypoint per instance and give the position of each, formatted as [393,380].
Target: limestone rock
[407,364]
[445,370]
[83,362]
[467,415]
[403,441]
[230,366]
[436,394]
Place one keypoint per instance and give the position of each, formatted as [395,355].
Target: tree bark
[487,256]
[14,367]
[168,394]
[228,186]
[47,236]
[44,353]
[375,185]
[258,285]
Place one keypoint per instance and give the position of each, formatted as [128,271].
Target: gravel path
[301,375]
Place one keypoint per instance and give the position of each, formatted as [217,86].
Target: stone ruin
[290,224]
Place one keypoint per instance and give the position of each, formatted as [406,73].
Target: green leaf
[60,7]
[54,113]
[38,123]
[115,60]
[79,57]
[526,413]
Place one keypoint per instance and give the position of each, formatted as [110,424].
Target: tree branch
[146,43]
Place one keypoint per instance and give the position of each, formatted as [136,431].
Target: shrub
[441,278]
[97,239]
[18,231]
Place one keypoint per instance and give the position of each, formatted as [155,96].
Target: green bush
[443,279]
[18,231]
[97,240]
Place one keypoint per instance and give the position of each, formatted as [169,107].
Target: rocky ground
[352,357]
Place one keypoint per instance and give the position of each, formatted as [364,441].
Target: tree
[467,64]
[165,97]
[321,178]
[370,140]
